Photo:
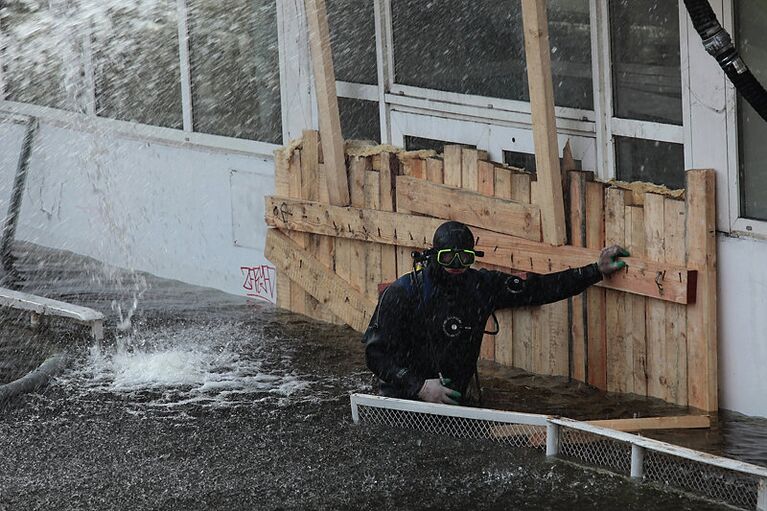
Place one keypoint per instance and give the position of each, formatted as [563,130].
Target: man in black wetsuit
[424,338]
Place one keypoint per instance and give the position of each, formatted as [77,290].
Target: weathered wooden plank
[312,276]
[389,168]
[538,58]
[434,170]
[676,315]
[501,250]
[417,168]
[327,102]
[470,158]
[595,297]
[297,295]
[453,162]
[577,238]
[502,185]
[654,423]
[520,188]
[358,169]
[636,306]
[373,274]
[317,245]
[701,317]
[654,218]
[486,179]
[282,188]
[442,201]
[618,374]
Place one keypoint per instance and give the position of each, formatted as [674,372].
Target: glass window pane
[418,144]
[647,77]
[42,54]
[353,40]
[650,161]
[478,48]
[359,119]
[235,69]
[752,42]
[137,65]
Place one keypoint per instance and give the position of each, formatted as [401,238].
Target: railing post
[355,411]
[552,439]
[637,462]
[761,501]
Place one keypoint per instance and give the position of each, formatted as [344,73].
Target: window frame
[89,121]
[600,123]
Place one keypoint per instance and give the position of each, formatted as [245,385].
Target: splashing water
[212,365]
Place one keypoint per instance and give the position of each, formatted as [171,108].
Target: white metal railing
[735,482]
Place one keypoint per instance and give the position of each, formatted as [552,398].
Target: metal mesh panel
[595,450]
[514,435]
[737,485]
[735,488]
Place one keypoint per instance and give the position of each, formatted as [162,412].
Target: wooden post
[282,189]
[654,216]
[701,317]
[485,184]
[388,171]
[523,319]
[538,56]
[504,347]
[636,306]
[297,295]
[327,102]
[615,224]
[358,169]
[578,338]
[595,238]
[675,356]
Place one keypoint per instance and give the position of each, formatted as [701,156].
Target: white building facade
[158,122]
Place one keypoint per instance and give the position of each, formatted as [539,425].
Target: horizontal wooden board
[641,276]
[475,209]
[313,277]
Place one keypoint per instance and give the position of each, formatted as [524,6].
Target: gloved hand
[433,391]
[608,260]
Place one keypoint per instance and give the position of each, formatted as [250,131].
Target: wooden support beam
[636,307]
[327,102]
[652,423]
[701,317]
[501,250]
[282,188]
[538,55]
[312,276]
[618,375]
[471,208]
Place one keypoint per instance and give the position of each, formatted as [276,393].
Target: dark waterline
[208,402]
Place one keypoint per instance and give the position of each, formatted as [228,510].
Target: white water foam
[217,366]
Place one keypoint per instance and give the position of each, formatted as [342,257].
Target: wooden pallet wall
[650,330]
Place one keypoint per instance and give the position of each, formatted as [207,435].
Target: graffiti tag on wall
[260,282]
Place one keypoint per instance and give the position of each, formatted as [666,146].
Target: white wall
[743,325]
[186,213]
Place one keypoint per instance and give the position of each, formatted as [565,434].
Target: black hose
[719,44]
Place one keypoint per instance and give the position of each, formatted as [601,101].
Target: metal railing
[736,483]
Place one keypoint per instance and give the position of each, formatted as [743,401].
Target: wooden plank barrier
[650,329]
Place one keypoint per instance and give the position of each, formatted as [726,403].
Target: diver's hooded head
[450,235]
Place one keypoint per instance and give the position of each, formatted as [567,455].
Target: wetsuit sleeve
[386,336]
[536,289]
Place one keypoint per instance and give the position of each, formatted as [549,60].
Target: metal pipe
[637,462]
[552,439]
[355,412]
[761,501]
[14,207]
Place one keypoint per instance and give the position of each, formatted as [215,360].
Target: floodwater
[201,400]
